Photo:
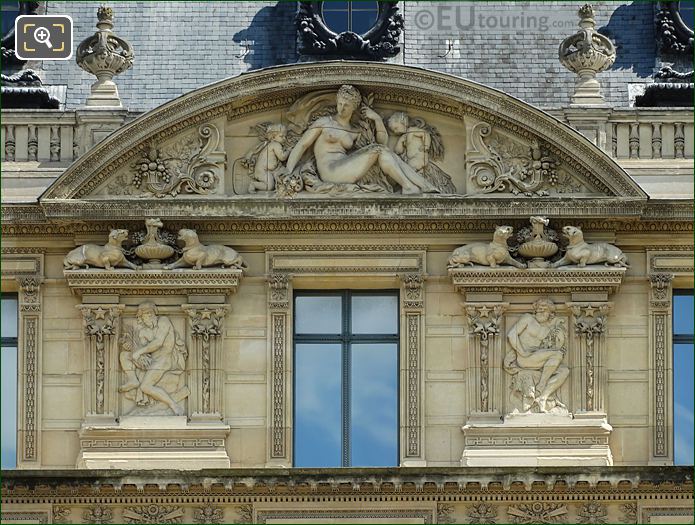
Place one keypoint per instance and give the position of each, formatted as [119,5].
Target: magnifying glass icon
[42,36]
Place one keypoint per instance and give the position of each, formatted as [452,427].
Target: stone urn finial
[587,53]
[105,55]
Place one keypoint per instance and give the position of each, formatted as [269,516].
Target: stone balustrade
[650,134]
[55,138]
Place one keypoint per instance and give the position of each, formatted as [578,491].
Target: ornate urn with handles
[153,250]
[540,246]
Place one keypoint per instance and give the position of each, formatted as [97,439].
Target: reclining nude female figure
[334,136]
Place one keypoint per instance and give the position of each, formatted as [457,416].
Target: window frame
[350,10]
[13,343]
[346,339]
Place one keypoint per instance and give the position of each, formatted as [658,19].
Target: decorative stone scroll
[101,324]
[484,324]
[590,321]
[205,332]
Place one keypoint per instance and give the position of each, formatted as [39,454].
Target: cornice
[355,480]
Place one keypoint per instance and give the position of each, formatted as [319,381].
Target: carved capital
[484,319]
[205,321]
[29,299]
[660,290]
[413,290]
[100,320]
[589,318]
[279,289]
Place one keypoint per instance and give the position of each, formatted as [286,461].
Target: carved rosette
[105,55]
[279,300]
[660,346]
[412,305]
[101,323]
[590,321]
[484,321]
[205,328]
[587,53]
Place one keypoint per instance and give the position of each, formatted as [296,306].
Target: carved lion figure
[488,254]
[197,255]
[581,253]
[108,256]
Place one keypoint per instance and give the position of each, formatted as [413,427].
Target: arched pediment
[271,142]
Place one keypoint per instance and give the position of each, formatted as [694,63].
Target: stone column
[412,367]
[660,350]
[485,390]
[29,367]
[589,321]
[205,331]
[279,329]
[101,324]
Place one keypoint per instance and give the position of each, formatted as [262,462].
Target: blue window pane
[374,405]
[9,11]
[317,403]
[363,17]
[318,315]
[337,21]
[683,314]
[686,12]
[339,5]
[9,315]
[8,406]
[375,314]
[683,403]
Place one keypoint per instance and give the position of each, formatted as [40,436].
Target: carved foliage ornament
[538,512]
[379,42]
[484,324]
[153,514]
[496,164]
[208,514]
[98,515]
[482,513]
[192,165]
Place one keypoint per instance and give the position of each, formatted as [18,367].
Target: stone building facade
[175,248]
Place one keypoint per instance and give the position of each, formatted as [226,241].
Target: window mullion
[347,328]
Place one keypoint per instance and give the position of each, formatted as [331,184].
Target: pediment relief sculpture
[337,144]
[540,247]
[535,360]
[153,360]
[153,249]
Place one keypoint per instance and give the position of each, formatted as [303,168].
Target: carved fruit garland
[173,170]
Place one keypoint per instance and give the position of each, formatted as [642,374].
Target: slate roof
[181,46]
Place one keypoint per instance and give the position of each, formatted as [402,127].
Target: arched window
[358,17]
[362,29]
